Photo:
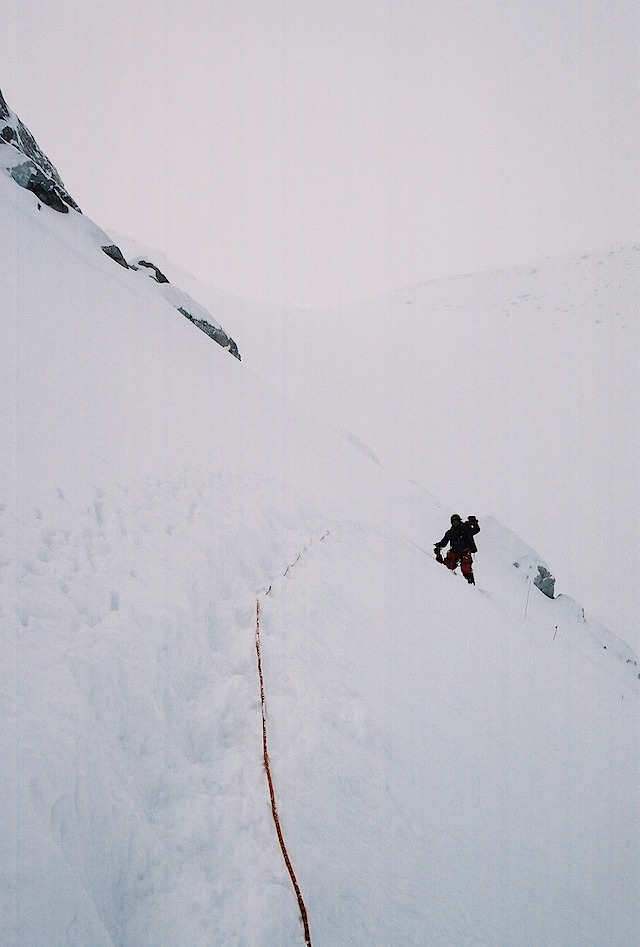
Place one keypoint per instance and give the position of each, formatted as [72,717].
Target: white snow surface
[513,393]
[454,766]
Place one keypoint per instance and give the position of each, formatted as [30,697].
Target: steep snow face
[511,392]
[453,764]
[30,168]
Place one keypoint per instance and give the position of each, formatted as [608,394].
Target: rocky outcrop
[543,579]
[158,274]
[180,300]
[545,582]
[214,332]
[32,168]
[116,254]
[185,305]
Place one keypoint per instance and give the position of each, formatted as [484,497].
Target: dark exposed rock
[159,277]
[545,582]
[116,254]
[27,175]
[32,170]
[189,308]
[218,335]
[43,180]
[4,109]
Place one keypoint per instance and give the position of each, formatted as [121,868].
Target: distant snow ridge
[29,167]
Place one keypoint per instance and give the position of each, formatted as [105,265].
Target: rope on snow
[272,793]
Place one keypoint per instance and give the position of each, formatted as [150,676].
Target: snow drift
[453,764]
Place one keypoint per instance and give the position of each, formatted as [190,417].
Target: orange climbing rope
[272,794]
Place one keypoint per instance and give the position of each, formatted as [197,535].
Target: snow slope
[512,392]
[453,765]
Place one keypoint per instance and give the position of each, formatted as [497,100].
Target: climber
[462,545]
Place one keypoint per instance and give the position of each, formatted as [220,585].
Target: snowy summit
[452,765]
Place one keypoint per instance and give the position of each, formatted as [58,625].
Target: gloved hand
[437,552]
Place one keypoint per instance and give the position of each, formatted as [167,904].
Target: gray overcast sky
[319,151]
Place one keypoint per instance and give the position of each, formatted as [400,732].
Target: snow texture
[511,392]
[454,765]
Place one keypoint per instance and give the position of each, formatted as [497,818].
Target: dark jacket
[461,537]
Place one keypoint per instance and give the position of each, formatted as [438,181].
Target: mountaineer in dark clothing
[460,539]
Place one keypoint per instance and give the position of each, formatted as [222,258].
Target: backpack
[460,539]
[473,528]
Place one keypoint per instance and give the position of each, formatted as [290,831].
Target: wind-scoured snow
[454,765]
